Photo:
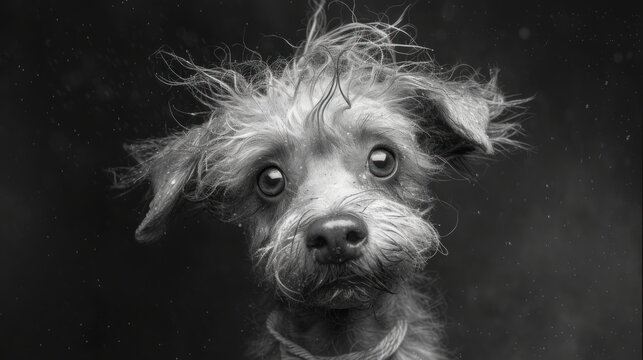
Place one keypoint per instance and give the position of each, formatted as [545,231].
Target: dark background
[545,262]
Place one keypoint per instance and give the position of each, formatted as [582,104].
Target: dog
[326,159]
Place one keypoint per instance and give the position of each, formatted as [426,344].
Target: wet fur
[317,115]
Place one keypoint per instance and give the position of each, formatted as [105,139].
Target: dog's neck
[398,324]
[289,349]
[336,333]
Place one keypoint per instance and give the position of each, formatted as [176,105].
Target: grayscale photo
[308,180]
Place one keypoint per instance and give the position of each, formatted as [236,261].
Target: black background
[545,262]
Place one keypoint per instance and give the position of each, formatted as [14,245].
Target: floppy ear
[464,118]
[168,183]
[169,163]
[466,114]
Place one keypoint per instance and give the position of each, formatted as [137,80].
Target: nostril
[355,237]
[316,242]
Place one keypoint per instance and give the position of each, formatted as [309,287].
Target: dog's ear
[463,118]
[467,114]
[169,164]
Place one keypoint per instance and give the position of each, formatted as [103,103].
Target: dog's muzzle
[336,239]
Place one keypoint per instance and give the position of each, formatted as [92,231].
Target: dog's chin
[343,296]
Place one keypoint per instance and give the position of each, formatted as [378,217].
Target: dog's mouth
[350,291]
[341,296]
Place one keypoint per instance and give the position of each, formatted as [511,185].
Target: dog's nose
[335,239]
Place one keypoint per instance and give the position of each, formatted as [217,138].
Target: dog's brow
[271,149]
[369,127]
[263,149]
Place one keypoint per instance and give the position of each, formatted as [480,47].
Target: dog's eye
[271,181]
[381,162]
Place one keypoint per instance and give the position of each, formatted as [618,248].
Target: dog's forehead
[336,124]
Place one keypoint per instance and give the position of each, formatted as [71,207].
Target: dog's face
[340,204]
[325,159]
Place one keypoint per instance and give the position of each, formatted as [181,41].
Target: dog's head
[325,158]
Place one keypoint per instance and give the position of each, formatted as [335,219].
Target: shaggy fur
[317,116]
